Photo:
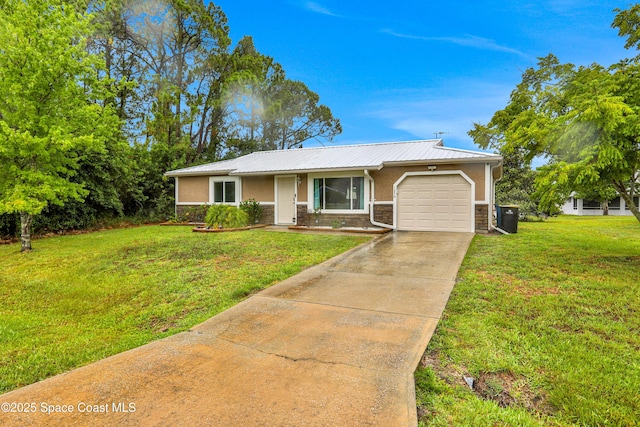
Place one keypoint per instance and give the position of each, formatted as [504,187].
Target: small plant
[336,224]
[226,216]
[253,209]
[316,214]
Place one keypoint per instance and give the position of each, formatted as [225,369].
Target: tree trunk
[25,231]
[629,201]
[179,83]
[605,207]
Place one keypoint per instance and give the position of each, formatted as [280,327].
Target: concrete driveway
[335,345]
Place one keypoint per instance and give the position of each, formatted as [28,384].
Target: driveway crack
[292,359]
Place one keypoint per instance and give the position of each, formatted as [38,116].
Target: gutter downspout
[371,202]
[175,198]
[493,197]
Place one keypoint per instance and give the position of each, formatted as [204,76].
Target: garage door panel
[459,195]
[460,223]
[463,216]
[434,203]
[439,209]
[440,179]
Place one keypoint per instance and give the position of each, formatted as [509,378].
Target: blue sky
[404,70]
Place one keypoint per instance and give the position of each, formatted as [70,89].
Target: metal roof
[344,157]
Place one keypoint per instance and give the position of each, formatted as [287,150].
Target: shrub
[9,225]
[225,216]
[253,210]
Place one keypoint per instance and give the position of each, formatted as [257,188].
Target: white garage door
[434,203]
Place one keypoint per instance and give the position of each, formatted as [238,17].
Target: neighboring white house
[576,206]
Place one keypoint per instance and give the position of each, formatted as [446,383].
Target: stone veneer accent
[383,214]
[268,214]
[327,220]
[301,215]
[482,218]
[197,212]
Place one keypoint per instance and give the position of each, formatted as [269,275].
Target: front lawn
[77,299]
[547,323]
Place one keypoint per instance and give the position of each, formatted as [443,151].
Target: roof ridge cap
[462,150]
[435,142]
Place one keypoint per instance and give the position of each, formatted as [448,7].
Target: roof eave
[177,174]
[444,161]
[300,171]
[233,172]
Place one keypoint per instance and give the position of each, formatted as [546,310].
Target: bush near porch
[546,322]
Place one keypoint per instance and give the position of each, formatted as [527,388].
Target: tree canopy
[517,185]
[49,117]
[194,93]
[267,111]
[583,119]
[99,98]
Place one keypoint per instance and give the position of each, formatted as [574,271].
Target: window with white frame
[339,193]
[614,205]
[225,190]
[590,204]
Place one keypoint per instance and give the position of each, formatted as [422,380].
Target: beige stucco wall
[193,189]
[258,187]
[302,188]
[262,188]
[387,176]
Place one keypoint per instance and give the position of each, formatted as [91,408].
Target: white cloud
[467,40]
[318,8]
[452,110]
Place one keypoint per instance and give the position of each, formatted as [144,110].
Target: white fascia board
[301,171]
[185,174]
[443,161]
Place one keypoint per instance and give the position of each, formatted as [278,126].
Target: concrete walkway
[335,345]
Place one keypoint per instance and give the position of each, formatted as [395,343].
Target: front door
[286,200]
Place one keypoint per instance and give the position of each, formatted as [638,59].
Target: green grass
[548,323]
[77,299]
